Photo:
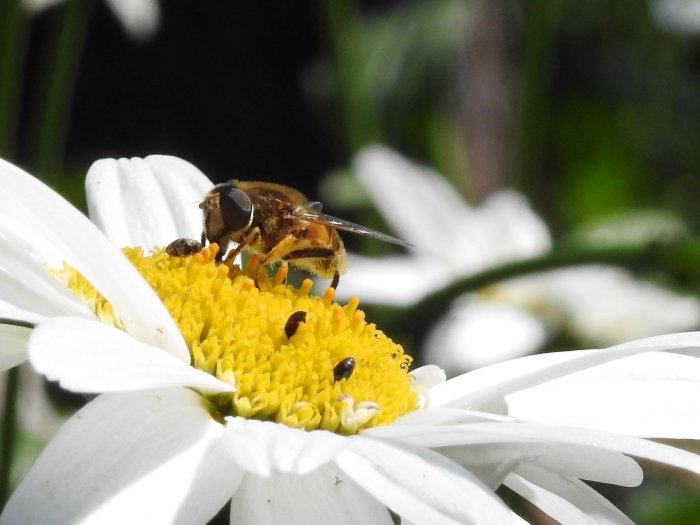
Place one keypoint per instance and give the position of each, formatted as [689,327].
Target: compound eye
[236,208]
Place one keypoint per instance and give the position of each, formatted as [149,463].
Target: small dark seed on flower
[183,247]
[292,324]
[344,369]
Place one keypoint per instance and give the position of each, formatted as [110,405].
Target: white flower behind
[140,18]
[682,16]
[600,305]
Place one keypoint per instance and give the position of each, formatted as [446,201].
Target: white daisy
[600,305]
[225,400]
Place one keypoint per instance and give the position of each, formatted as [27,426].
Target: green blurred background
[591,109]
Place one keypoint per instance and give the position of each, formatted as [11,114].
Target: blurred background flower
[570,128]
[595,305]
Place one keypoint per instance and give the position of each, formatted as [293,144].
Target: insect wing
[342,224]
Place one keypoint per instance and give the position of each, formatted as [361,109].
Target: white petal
[654,395]
[606,305]
[323,496]
[399,280]
[486,385]
[12,313]
[13,345]
[439,416]
[420,485]
[519,432]
[466,441]
[146,202]
[428,376]
[89,356]
[491,462]
[423,208]
[476,333]
[28,288]
[140,18]
[142,457]
[590,463]
[58,232]
[511,230]
[265,448]
[567,500]
[416,202]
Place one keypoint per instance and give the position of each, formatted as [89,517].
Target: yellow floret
[237,324]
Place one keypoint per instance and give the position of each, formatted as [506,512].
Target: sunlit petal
[140,18]
[325,496]
[89,356]
[520,432]
[128,458]
[654,395]
[428,376]
[58,233]
[496,381]
[613,442]
[265,448]
[566,499]
[27,286]
[491,462]
[146,202]
[398,477]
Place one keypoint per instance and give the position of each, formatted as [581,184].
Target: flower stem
[56,94]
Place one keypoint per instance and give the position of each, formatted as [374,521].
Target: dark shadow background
[222,90]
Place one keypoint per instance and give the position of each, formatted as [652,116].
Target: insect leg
[245,241]
[280,250]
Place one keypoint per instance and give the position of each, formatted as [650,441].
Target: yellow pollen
[287,352]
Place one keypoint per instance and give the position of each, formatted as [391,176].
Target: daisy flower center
[296,359]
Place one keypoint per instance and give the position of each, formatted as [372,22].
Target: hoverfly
[279,224]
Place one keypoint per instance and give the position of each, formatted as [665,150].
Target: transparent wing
[342,224]
[313,207]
